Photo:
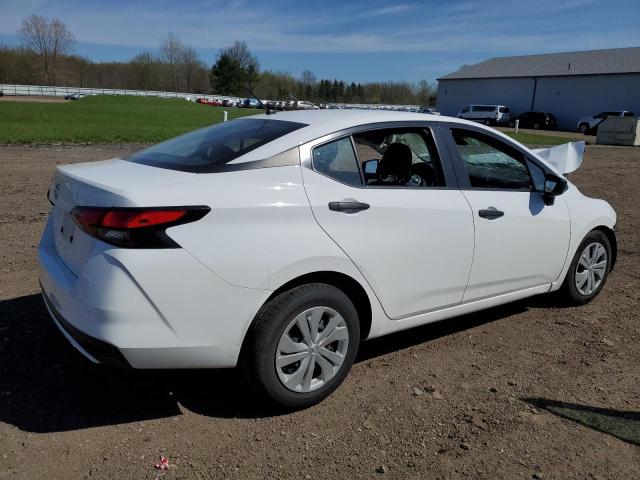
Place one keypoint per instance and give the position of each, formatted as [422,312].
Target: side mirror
[370,168]
[554,185]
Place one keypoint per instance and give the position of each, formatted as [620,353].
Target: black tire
[536,126]
[584,128]
[568,293]
[257,361]
[511,124]
[487,122]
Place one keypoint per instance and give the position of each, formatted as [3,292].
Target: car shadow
[47,386]
[624,425]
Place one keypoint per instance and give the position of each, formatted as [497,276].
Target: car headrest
[396,161]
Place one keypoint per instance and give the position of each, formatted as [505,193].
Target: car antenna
[268,110]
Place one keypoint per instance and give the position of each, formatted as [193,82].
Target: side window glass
[465,109]
[403,157]
[338,161]
[491,163]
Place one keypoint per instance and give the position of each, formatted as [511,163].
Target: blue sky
[356,41]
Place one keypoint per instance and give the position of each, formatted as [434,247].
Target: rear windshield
[210,148]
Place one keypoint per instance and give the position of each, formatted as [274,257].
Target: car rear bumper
[95,350]
[147,308]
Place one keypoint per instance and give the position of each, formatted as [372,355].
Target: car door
[520,242]
[412,238]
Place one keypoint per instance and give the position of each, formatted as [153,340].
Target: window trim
[451,178]
[461,170]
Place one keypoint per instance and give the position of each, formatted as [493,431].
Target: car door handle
[490,213]
[347,206]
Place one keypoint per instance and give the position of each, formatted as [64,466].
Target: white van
[487,114]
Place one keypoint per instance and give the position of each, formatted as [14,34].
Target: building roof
[591,62]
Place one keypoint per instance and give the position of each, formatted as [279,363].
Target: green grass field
[533,139]
[104,119]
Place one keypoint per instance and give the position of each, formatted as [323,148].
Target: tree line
[46,56]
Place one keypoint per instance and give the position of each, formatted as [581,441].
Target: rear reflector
[135,227]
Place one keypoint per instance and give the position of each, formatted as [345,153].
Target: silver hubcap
[312,349]
[591,268]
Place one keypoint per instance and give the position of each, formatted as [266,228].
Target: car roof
[320,123]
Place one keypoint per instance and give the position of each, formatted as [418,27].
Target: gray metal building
[568,85]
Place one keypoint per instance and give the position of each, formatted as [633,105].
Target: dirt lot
[519,392]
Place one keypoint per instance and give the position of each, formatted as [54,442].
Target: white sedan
[279,242]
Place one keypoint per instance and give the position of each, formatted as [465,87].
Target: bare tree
[170,50]
[189,64]
[308,81]
[425,93]
[50,39]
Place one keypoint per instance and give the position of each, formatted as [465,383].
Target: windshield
[210,148]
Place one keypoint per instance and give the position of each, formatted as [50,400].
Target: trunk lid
[109,183]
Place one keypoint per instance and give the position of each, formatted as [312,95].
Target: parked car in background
[589,124]
[73,96]
[304,105]
[211,102]
[298,235]
[250,103]
[430,111]
[487,114]
[535,120]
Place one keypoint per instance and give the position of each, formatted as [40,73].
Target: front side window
[465,109]
[209,149]
[491,163]
[337,160]
[399,157]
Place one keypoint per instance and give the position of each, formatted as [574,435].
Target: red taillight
[135,227]
[135,219]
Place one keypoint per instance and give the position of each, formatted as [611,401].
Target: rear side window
[504,109]
[211,148]
[337,160]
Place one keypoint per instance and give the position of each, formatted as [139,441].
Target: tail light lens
[135,227]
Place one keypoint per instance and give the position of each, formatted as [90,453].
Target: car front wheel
[302,345]
[589,269]
[584,128]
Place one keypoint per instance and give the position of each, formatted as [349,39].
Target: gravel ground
[518,392]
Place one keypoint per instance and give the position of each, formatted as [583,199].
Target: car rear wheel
[302,345]
[487,122]
[588,270]
[584,128]
[536,126]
